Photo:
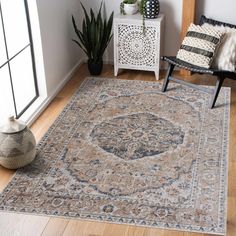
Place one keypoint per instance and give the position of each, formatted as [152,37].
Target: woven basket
[17,145]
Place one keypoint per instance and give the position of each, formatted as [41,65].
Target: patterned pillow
[199,45]
[225,58]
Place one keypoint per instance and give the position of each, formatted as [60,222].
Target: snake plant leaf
[82,43]
[81,38]
[80,46]
[78,32]
[86,14]
[110,23]
[74,25]
[92,34]
[92,16]
[99,16]
[84,35]
[87,22]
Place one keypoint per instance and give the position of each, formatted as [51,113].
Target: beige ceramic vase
[17,144]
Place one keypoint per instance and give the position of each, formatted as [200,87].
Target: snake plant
[142,7]
[95,34]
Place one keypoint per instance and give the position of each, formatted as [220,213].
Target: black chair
[221,75]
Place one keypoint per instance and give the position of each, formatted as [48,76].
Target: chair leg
[168,74]
[218,86]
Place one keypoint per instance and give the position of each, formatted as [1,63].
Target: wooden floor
[17,224]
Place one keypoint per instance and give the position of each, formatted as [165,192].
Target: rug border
[227,126]
[109,222]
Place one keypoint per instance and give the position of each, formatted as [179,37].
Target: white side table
[135,50]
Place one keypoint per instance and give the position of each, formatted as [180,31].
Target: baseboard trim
[66,78]
[44,102]
[105,61]
[108,62]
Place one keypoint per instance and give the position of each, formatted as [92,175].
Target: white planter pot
[131,9]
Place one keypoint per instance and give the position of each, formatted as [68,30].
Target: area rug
[122,151]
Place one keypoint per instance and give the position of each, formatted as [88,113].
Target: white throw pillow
[199,45]
[225,57]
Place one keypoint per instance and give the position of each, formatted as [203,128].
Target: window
[18,83]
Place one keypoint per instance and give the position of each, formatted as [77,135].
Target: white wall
[61,55]
[217,9]
[173,21]
[173,11]
[59,52]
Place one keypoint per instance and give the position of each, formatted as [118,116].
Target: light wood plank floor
[17,224]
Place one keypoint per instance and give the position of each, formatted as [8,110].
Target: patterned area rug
[123,152]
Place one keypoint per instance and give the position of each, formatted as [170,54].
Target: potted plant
[94,37]
[129,7]
[142,7]
[142,4]
[149,9]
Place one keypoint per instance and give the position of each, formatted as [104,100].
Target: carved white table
[134,49]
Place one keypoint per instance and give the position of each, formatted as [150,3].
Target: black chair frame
[220,75]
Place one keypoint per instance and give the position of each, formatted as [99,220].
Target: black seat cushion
[182,64]
[196,69]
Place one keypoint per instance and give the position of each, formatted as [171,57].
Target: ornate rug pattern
[122,151]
